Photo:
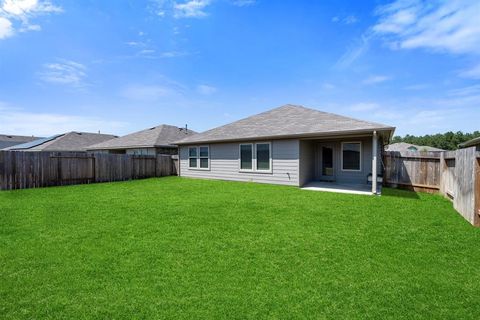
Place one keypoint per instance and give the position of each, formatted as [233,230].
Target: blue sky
[122,66]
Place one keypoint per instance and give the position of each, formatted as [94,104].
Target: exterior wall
[224,163]
[307,161]
[309,171]
[170,151]
[142,151]
[98,151]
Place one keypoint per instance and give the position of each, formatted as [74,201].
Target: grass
[193,249]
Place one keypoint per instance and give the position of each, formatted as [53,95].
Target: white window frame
[198,157]
[240,157]
[361,155]
[254,157]
[269,170]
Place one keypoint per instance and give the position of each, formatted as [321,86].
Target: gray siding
[224,164]
[307,161]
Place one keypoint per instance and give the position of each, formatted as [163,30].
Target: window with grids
[192,157]
[199,157]
[204,156]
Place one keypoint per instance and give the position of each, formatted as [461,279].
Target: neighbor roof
[286,121]
[160,136]
[71,141]
[403,146]
[7,140]
[470,143]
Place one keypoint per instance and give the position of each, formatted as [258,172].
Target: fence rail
[418,171]
[21,170]
[454,174]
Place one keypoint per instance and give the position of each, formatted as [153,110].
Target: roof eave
[132,147]
[294,136]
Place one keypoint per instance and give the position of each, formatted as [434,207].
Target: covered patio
[344,164]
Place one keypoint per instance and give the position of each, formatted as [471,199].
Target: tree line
[447,141]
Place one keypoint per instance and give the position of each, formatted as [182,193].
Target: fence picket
[20,170]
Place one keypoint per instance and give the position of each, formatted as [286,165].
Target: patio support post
[374,162]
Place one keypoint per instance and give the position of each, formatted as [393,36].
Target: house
[403,146]
[290,145]
[7,140]
[471,143]
[70,141]
[151,141]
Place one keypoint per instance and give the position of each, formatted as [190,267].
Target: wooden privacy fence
[454,174]
[21,170]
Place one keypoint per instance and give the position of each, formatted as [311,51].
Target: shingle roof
[285,121]
[71,141]
[403,146]
[160,136]
[469,143]
[7,140]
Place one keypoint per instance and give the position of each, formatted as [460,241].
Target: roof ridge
[286,120]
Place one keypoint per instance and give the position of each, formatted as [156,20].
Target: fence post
[442,174]
[476,186]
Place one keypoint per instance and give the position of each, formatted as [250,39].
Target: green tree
[448,140]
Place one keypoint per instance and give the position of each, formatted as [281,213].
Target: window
[204,153]
[246,156]
[255,157]
[199,157]
[263,156]
[351,156]
[192,157]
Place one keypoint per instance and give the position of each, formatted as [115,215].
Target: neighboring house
[290,145]
[152,141]
[7,140]
[471,143]
[403,146]
[70,141]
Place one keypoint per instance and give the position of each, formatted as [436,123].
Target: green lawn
[182,248]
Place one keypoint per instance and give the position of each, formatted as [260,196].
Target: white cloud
[188,8]
[456,110]
[16,15]
[206,90]
[375,79]
[136,44]
[64,72]
[472,73]
[350,19]
[173,54]
[191,9]
[439,26]
[6,29]
[17,121]
[466,91]
[355,51]
[450,26]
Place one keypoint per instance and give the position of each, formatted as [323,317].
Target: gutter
[292,136]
